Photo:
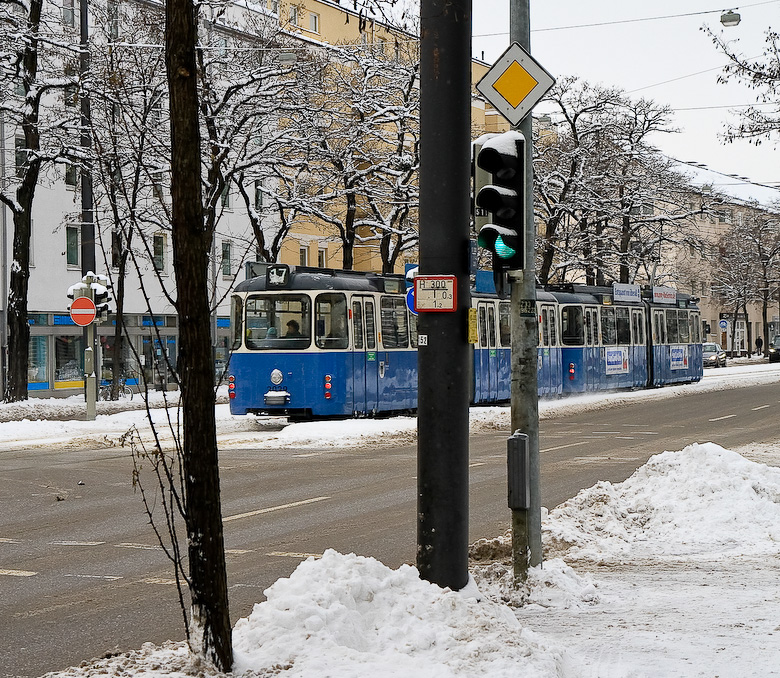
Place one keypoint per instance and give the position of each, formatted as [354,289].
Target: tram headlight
[276,377]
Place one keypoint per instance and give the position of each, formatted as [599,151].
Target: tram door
[365,365]
[486,358]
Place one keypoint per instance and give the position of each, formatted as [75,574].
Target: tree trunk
[18,327]
[348,243]
[210,621]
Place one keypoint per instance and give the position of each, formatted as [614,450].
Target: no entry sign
[83,311]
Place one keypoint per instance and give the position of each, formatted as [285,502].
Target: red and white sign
[435,293]
[83,311]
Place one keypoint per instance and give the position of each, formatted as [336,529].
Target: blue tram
[311,342]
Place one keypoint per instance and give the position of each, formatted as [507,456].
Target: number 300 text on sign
[435,293]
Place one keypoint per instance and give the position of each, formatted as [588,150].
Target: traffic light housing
[503,157]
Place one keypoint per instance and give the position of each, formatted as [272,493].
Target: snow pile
[703,500]
[351,616]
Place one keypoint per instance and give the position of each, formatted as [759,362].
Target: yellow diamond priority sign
[515,84]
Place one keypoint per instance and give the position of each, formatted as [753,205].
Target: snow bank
[702,501]
[352,617]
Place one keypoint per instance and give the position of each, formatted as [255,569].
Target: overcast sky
[668,59]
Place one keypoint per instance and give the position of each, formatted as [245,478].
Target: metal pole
[444,392]
[527,525]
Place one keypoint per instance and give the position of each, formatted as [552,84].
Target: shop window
[69,358]
[37,360]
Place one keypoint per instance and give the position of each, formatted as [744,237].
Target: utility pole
[444,391]
[526,524]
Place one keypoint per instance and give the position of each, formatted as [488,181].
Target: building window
[72,246]
[71,175]
[68,13]
[227,268]
[303,256]
[293,15]
[273,5]
[225,197]
[112,12]
[322,257]
[21,157]
[159,253]
[314,22]
[116,248]
[258,195]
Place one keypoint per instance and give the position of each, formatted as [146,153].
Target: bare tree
[29,97]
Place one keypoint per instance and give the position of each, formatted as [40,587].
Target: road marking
[108,577]
[763,407]
[249,514]
[624,438]
[76,543]
[158,580]
[605,432]
[238,552]
[561,447]
[17,573]
[291,554]
[6,540]
[477,463]
[144,547]
[728,416]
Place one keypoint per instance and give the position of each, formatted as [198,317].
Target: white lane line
[249,514]
[143,547]
[17,573]
[107,577]
[237,552]
[728,416]
[562,447]
[6,540]
[604,432]
[292,554]
[76,543]
[476,463]
[624,438]
[762,407]
[158,580]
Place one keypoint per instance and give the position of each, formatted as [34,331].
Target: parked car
[715,356]
[774,349]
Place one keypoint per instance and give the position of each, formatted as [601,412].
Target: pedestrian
[759,345]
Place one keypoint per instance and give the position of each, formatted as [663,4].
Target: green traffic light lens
[503,250]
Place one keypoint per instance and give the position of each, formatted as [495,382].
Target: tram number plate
[435,293]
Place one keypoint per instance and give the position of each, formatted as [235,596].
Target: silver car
[714,355]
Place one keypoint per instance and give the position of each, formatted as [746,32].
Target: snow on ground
[671,573]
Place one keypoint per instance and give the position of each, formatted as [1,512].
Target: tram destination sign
[435,293]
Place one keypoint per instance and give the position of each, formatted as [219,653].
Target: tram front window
[278,321]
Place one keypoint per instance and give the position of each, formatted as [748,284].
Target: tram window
[571,326]
[395,333]
[695,321]
[608,329]
[237,320]
[370,326]
[638,328]
[588,338]
[331,321]
[683,327]
[482,318]
[623,325]
[270,317]
[413,329]
[544,340]
[672,333]
[504,325]
[553,332]
[491,327]
[660,328]
[357,325]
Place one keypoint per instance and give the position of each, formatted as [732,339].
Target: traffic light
[503,156]
[101,288]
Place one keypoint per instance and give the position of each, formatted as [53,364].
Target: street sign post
[515,84]
[83,311]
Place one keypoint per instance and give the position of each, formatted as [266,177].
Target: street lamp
[730,19]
